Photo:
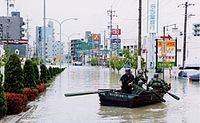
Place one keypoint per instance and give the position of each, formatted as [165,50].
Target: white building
[49,45]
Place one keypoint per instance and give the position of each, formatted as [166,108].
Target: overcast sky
[93,15]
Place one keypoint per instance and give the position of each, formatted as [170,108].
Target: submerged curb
[17,118]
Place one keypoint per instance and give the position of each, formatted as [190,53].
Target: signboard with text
[11,41]
[116,44]
[166,55]
[116,31]
[152,18]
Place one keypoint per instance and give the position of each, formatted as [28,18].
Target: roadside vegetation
[116,62]
[128,58]
[22,84]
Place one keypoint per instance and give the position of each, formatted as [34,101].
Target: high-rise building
[49,45]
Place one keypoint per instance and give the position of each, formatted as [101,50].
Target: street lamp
[60,26]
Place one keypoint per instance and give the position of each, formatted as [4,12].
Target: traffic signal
[196,29]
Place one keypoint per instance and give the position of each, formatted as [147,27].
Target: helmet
[127,70]
[155,75]
[140,72]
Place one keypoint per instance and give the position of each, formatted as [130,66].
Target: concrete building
[58,49]
[50,41]
[11,33]
[11,27]
[74,49]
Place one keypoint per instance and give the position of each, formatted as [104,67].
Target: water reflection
[153,113]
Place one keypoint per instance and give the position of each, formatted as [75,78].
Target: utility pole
[7,7]
[44,43]
[104,39]
[117,42]
[186,5]
[139,34]
[111,14]
[164,52]
[105,46]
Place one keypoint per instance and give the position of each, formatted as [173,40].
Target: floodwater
[54,107]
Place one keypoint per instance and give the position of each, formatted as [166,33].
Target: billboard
[168,52]
[115,44]
[152,17]
[96,37]
[116,31]
[115,41]
[87,34]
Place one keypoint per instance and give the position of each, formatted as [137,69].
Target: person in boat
[141,79]
[158,84]
[126,80]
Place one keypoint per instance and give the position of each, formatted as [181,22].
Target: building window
[131,46]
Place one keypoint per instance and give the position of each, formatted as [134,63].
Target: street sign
[166,37]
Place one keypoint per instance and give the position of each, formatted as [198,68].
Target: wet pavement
[54,107]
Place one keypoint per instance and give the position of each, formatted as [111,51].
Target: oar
[163,100]
[174,96]
[80,93]
[87,93]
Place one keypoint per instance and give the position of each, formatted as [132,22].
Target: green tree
[29,74]
[51,72]
[43,73]
[13,74]
[4,58]
[118,63]
[134,60]
[127,56]
[36,60]
[48,74]
[111,62]
[3,103]
[36,73]
[94,61]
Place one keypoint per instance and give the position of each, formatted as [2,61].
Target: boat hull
[117,98]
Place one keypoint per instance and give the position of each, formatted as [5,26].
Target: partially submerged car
[77,63]
[187,73]
[195,77]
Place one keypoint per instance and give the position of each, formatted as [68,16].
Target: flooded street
[54,107]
